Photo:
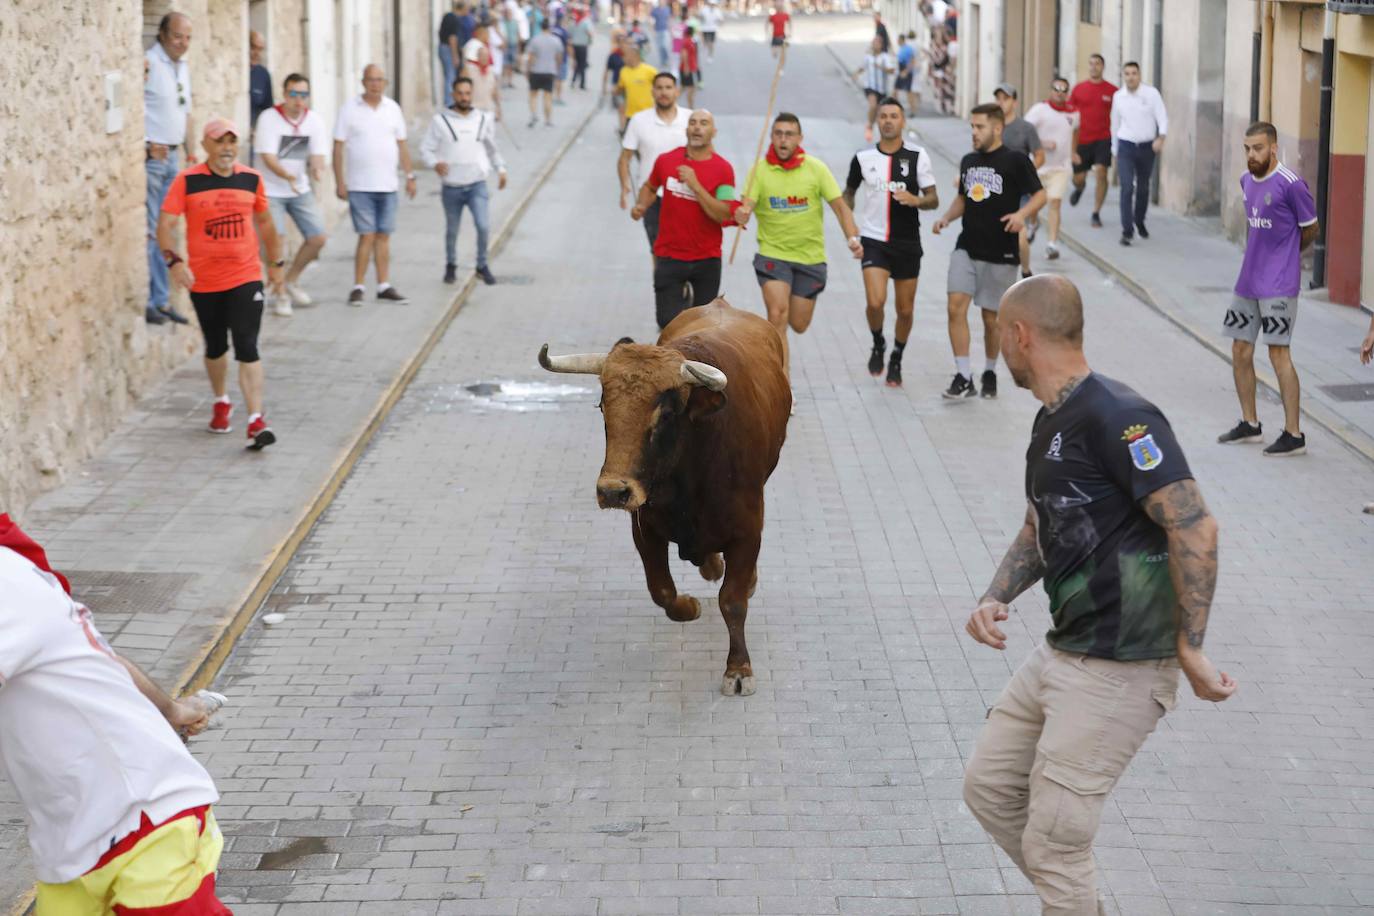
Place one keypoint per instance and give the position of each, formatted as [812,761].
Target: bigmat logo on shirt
[790,202]
[981,183]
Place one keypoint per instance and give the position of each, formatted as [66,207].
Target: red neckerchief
[15,539]
[481,67]
[789,164]
[295,125]
[1066,107]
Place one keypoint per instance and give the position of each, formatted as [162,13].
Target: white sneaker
[281,306]
[298,296]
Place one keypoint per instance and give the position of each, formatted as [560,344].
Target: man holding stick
[698,187]
[786,188]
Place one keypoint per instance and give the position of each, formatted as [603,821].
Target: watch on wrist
[171,258]
[279,262]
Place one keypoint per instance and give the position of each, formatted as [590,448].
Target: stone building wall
[75,352]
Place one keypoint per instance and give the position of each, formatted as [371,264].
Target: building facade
[75,351]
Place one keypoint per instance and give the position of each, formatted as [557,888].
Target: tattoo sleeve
[1021,568]
[1178,509]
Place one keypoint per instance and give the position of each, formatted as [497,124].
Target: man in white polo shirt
[650,134]
[369,143]
[118,811]
[166,127]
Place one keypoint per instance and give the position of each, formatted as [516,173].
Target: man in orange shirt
[225,205]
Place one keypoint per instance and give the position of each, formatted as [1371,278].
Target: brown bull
[694,426]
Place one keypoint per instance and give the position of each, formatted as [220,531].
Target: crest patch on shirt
[1145,453]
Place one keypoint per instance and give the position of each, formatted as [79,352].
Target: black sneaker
[961,387]
[1143,232]
[1287,444]
[1243,432]
[154,316]
[894,370]
[450,273]
[1075,197]
[1097,221]
[875,359]
[355,296]
[1026,274]
[1031,229]
[173,315]
[989,384]
[1125,241]
[391,294]
[485,274]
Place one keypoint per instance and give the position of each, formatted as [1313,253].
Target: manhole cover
[115,597]
[1356,392]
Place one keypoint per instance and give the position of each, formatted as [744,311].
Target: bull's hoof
[737,684]
[712,568]
[683,609]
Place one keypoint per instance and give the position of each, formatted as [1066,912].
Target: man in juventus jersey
[890,228]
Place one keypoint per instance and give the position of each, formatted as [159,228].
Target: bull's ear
[703,402]
[623,340]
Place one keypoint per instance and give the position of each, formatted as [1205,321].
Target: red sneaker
[260,435]
[219,422]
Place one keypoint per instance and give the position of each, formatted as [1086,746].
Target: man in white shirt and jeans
[166,129]
[461,146]
[1139,125]
[650,134]
[291,142]
[369,142]
[118,811]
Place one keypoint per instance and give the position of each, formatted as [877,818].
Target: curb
[1354,438]
[210,658]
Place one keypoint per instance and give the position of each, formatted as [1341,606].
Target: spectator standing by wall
[1139,125]
[291,143]
[451,44]
[906,74]
[369,143]
[166,130]
[259,79]
[226,210]
[460,146]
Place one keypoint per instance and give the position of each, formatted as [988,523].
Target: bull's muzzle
[619,493]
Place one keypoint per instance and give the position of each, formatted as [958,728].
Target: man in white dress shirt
[166,127]
[1139,125]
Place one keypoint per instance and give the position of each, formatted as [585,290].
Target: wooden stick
[772,97]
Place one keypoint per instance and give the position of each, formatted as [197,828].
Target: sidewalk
[173,535]
[1186,271]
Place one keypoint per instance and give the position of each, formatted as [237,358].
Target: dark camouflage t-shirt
[1089,465]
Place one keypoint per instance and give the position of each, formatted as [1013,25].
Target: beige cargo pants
[1056,742]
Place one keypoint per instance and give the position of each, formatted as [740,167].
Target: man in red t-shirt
[698,198]
[225,205]
[1093,99]
[778,27]
[689,66]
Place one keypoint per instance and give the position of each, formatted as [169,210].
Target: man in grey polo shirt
[166,127]
[1020,136]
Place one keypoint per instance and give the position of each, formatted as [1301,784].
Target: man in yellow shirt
[636,82]
[785,191]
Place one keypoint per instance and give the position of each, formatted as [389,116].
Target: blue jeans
[474,197]
[450,73]
[661,41]
[1135,163]
[160,173]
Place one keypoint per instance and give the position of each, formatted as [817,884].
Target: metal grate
[115,597]
[1363,391]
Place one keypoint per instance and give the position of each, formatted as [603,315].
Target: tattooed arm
[1021,568]
[1178,508]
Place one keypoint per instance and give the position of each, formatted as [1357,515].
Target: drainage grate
[115,597]
[1358,392]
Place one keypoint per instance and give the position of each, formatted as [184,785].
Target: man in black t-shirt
[1118,531]
[899,184]
[992,182]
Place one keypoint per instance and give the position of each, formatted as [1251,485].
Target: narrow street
[472,706]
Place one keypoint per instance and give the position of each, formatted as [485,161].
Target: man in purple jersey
[1283,221]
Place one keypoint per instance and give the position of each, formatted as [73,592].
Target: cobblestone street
[473,707]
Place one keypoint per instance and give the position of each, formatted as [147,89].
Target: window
[1090,12]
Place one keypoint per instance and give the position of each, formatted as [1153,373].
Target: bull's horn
[579,363]
[696,373]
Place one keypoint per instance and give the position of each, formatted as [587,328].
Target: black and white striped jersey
[880,216]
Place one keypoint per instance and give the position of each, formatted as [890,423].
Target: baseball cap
[1006,89]
[218,127]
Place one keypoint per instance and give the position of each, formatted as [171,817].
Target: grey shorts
[806,280]
[985,281]
[1273,319]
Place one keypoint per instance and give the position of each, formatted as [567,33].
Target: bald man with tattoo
[1118,531]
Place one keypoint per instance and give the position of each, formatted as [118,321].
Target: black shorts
[541,82]
[1098,152]
[904,83]
[709,36]
[778,41]
[671,277]
[227,313]
[688,80]
[805,280]
[901,260]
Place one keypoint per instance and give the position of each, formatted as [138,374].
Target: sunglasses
[297,94]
